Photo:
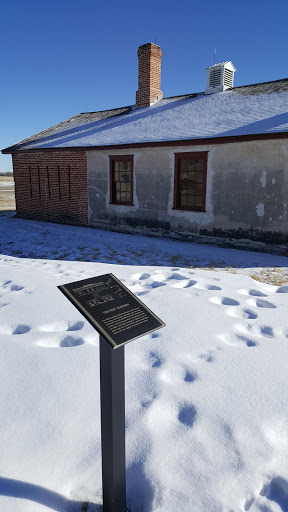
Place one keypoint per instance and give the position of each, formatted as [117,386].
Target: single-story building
[210,164]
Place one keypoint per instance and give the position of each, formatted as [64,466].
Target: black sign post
[119,317]
[112,392]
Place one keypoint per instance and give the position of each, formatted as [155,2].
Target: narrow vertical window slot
[69,181]
[59,182]
[39,186]
[30,179]
[48,181]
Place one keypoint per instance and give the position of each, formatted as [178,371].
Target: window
[121,179]
[190,181]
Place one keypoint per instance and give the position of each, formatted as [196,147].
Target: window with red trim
[121,179]
[190,181]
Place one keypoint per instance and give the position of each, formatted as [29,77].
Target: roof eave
[185,142]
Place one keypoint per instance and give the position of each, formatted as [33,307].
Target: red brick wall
[149,77]
[66,204]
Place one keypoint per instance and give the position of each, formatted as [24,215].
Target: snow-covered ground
[206,396]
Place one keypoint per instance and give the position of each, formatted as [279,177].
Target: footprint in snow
[139,294]
[141,277]
[144,276]
[224,301]
[252,293]
[261,303]
[177,276]
[248,341]
[4,284]
[15,329]
[156,360]
[71,341]
[248,504]
[190,376]
[135,288]
[75,326]
[261,331]
[9,286]
[56,342]
[267,331]
[209,287]
[21,329]
[157,284]
[62,326]
[16,288]
[209,358]
[3,304]
[282,289]
[244,313]
[236,340]
[187,415]
[190,283]
[146,403]
[276,490]
[184,284]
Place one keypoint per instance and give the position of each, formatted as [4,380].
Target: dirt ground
[7,195]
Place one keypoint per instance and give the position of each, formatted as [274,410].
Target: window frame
[112,160]
[195,155]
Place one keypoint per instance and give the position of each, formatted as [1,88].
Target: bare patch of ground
[276,276]
[7,193]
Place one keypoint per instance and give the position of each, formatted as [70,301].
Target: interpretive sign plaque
[118,316]
[114,311]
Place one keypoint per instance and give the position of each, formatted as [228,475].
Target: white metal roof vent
[220,77]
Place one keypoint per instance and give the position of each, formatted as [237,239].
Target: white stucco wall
[247,185]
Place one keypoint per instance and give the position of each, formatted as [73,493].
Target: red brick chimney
[149,77]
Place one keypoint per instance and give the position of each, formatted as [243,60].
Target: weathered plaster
[263,178]
[249,186]
[245,192]
[260,210]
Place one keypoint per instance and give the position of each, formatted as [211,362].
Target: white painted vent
[215,78]
[220,77]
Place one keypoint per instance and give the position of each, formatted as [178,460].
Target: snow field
[206,406]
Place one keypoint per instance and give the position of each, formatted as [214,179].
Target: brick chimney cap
[150,44]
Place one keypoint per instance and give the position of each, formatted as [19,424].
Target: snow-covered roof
[222,64]
[247,110]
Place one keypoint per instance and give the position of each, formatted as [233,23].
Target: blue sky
[59,58]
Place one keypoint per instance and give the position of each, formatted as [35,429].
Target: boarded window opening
[59,182]
[69,182]
[30,179]
[39,185]
[48,181]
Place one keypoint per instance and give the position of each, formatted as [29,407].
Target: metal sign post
[112,392]
[119,317]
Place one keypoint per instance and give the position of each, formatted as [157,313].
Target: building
[209,166]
